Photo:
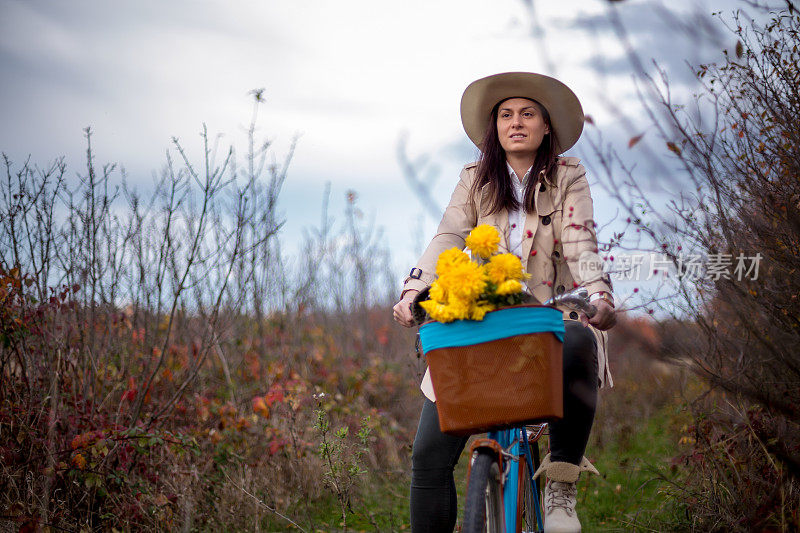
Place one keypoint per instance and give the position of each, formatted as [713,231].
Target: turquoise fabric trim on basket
[499,324]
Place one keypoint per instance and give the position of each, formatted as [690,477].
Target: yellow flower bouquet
[466,290]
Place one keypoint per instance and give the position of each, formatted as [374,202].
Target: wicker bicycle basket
[500,372]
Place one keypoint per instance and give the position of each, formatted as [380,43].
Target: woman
[541,205]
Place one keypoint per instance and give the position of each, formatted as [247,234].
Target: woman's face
[520,126]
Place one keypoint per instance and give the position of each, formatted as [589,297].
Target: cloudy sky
[349,77]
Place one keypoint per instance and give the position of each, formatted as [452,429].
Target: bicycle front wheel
[529,493]
[528,509]
[483,510]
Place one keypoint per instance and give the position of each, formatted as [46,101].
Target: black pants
[435,454]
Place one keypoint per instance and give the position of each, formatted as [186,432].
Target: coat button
[546,220]
[556,254]
[542,188]
[573,315]
[560,289]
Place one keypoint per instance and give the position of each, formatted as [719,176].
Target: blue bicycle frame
[515,442]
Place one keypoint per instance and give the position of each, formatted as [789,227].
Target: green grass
[633,491]
[631,494]
[382,505]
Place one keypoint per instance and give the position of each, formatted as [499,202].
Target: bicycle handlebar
[577,299]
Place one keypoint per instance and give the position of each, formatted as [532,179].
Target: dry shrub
[159,358]
[738,150]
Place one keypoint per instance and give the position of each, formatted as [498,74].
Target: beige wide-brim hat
[566,113]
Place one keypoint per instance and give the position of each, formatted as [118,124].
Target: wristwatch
[602,295]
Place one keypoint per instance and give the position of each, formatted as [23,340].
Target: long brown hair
[492,170]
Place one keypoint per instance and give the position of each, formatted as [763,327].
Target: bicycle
[502,494]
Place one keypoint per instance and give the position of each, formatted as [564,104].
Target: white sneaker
[559,507]
[561,494]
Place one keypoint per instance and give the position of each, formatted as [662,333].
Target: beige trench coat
[559,243]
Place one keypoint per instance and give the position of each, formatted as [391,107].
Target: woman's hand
[605,317]
[402,309]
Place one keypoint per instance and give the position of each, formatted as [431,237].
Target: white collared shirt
[516,218]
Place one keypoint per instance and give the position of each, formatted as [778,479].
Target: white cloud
[349,76]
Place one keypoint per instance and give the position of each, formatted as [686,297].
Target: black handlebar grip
[417,311]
